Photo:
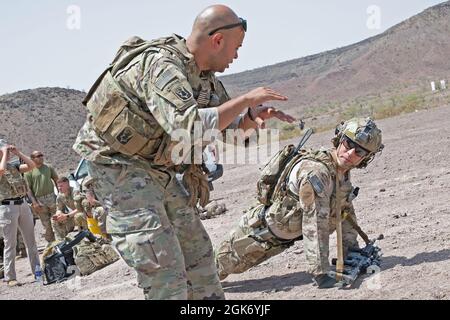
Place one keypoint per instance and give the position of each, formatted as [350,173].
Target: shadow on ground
[271,284]
[423,257]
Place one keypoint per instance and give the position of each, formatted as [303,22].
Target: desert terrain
[405,195]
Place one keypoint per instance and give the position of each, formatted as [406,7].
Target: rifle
[304,139]
[358,261]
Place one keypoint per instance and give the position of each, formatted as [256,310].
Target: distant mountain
[405,58]
[388,71]
[45,119]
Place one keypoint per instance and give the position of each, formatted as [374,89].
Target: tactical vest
[87,256]
[91,256]
[12,184]
[284,215]
[119,118]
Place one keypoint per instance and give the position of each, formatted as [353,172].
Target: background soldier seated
[95,214]
[68,214]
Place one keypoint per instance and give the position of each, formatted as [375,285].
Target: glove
[324,281]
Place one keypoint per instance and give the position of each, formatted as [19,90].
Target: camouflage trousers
[157,233]
[45,214]
[247,245]
[251,243]
[62,229]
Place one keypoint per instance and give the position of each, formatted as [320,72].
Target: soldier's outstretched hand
[263,113]
[260,95]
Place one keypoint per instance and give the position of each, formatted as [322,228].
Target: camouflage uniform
[15,215]
[45,215]
[307,211]
[153,225]
[97,213]
[65,204]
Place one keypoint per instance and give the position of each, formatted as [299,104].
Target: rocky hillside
[400,61]
[381,76]
[45,119]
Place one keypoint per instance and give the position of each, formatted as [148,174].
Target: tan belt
[340,252]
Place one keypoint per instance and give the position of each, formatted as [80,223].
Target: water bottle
[38,274]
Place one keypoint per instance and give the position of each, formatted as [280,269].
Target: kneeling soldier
[302,205]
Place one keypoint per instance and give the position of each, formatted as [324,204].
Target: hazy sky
[69,43]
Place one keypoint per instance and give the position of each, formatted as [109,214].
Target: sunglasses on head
[242,23]
[349,144]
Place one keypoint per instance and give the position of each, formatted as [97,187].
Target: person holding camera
[14,212]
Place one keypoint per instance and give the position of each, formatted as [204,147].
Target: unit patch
[182,93]
[125,136]
[316,184]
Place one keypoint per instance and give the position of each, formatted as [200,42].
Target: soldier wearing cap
[306,208]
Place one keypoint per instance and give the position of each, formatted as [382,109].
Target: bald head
[212,18]
[38,158]
[217,35]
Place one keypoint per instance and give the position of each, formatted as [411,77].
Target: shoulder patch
[182,93]
[316,184]
[166,76]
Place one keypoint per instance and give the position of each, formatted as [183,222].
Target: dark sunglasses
[39,156]
[242,23]
[349,144]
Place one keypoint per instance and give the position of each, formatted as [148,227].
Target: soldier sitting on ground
[303,205]
[95,214]
[94,252]
[68,214]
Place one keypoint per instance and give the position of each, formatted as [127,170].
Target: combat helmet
[365,133]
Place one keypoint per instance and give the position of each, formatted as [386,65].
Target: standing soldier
[150,91]
[41,192]
[14,211]
[303,205]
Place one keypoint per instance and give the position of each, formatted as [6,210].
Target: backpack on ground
[58,257]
